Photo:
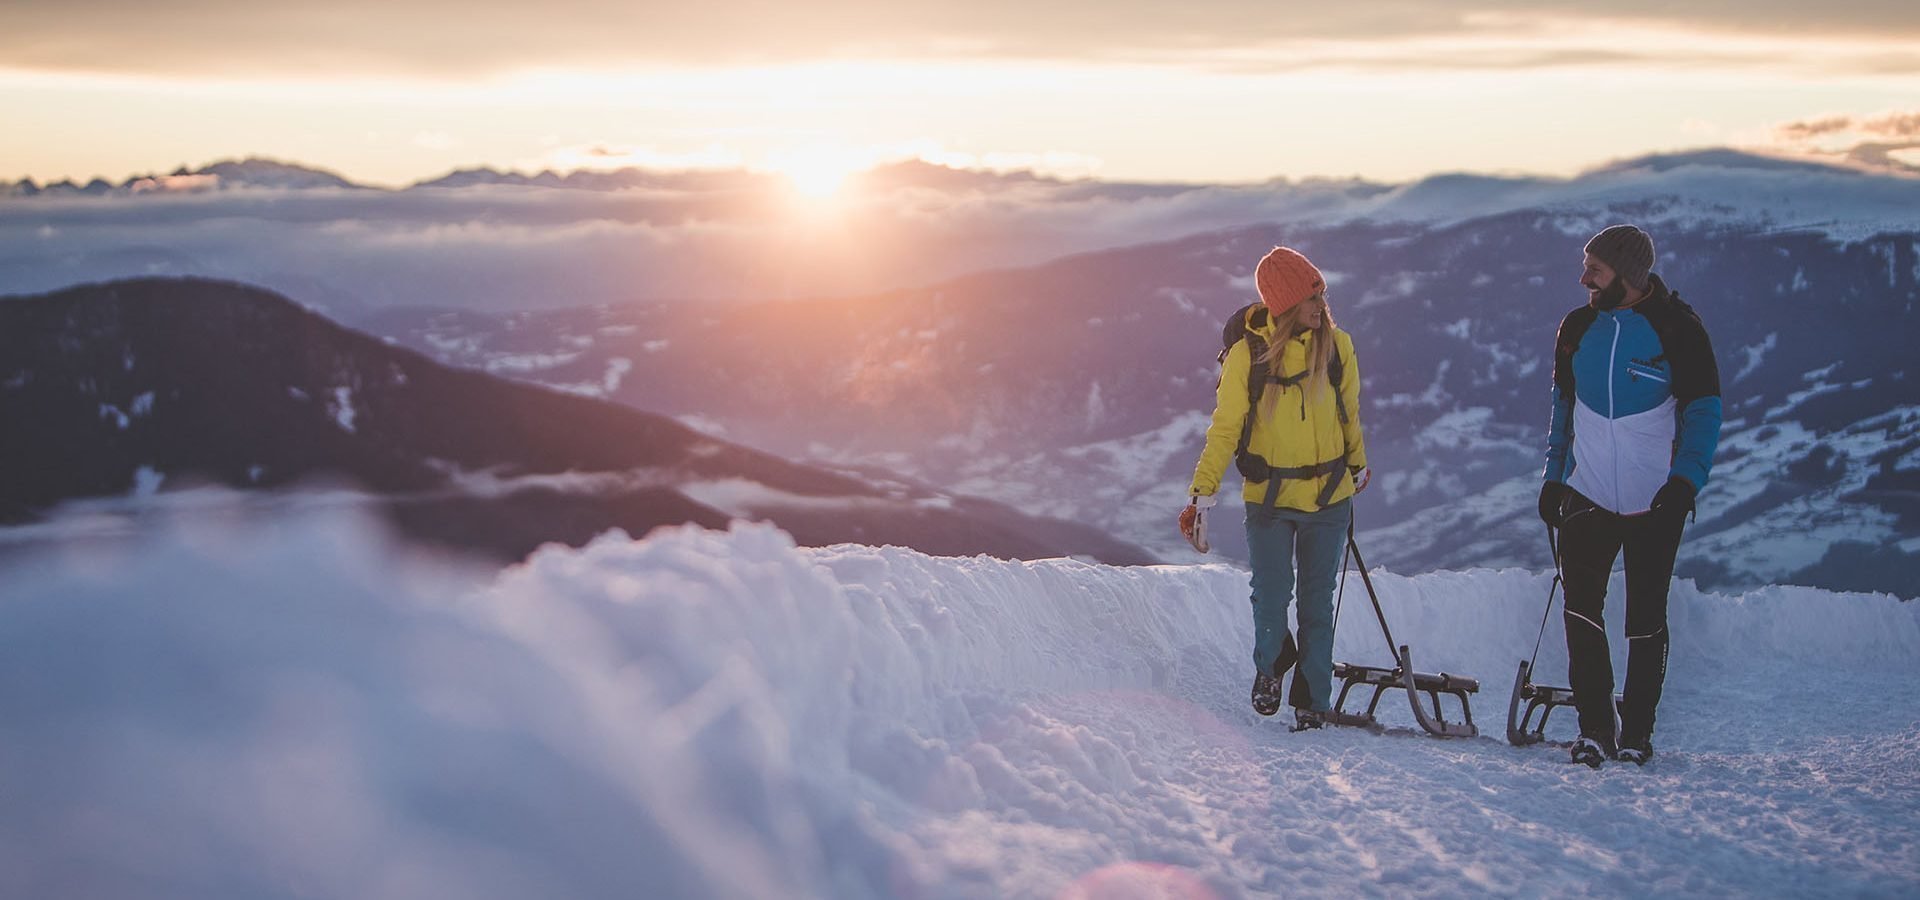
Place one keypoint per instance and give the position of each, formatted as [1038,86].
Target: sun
[816,172]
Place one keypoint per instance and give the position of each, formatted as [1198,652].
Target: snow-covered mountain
[504,241]
[138,386]
[1067,379]
[227,174]
[253,706]
[627,179]
[1081,388]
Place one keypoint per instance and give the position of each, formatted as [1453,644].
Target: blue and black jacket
[1636,400]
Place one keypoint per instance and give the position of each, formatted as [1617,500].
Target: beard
[1611,295]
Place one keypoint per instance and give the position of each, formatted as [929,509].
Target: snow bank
[245,707]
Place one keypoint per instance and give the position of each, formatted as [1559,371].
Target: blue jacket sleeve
[1697,392]
[1699,437]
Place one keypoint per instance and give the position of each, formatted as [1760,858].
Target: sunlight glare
[817,172]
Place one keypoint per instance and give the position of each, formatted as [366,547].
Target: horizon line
[1837,163]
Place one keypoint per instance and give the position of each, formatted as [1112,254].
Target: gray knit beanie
[1628,250]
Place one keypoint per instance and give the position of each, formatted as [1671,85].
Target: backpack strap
[1565,342]
[1336,376]
[1252,466]
[1683,340]
[1257,376]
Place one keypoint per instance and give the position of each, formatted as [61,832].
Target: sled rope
[1554,547]
[1341,597]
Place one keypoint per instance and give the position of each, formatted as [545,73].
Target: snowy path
[285,710]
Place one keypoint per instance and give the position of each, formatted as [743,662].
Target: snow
[1435,395]
[1457,429]
[1179,299]
[741,497]
[147,481]
[617,369]
[230,707]
[1400,287]
[1799,532]
[453,345]
[528,362]
[1754,355]
[702,424]
[1793,400]
[342,408]
[1103,480]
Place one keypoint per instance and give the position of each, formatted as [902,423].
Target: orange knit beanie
[1285,278]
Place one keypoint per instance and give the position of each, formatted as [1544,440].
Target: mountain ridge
[197,379]
[1083,383]
[265,172]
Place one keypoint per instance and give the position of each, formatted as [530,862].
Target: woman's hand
[1193,522]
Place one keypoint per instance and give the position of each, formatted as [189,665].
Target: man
[1636,418]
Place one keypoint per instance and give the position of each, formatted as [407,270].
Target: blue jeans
[1275,537]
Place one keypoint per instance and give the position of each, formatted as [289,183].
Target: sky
[1213,91]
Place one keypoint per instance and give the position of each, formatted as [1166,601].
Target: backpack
[1241,326]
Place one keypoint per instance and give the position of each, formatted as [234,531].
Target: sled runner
[1522,730]
[1401,676]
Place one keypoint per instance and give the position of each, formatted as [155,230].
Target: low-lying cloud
[505,247]
[718,237]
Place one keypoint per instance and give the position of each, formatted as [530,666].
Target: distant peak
[1716,158]
[263,172]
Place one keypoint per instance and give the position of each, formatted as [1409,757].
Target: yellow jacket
[1304,428]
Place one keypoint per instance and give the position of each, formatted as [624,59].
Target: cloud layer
[1889,142]
[711,237]
[211,37]
[639,237]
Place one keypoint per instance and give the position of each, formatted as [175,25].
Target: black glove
[1553,495]
[1675,497]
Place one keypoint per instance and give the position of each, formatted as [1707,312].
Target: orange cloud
[1887,142]
[1894,125]
[1800,131]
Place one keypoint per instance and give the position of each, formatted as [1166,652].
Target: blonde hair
[1319,349]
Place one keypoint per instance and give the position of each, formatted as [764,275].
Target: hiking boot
[1635,751]
[1589,752]
[1266,694]
[1306,719]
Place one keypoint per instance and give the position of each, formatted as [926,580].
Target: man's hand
[1361,475]
[1553,498]
[1675,497]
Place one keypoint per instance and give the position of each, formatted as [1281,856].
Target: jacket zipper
[1613,438]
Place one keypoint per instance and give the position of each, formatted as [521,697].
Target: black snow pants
[1590,539]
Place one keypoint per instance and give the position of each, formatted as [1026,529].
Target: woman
[1293,431]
